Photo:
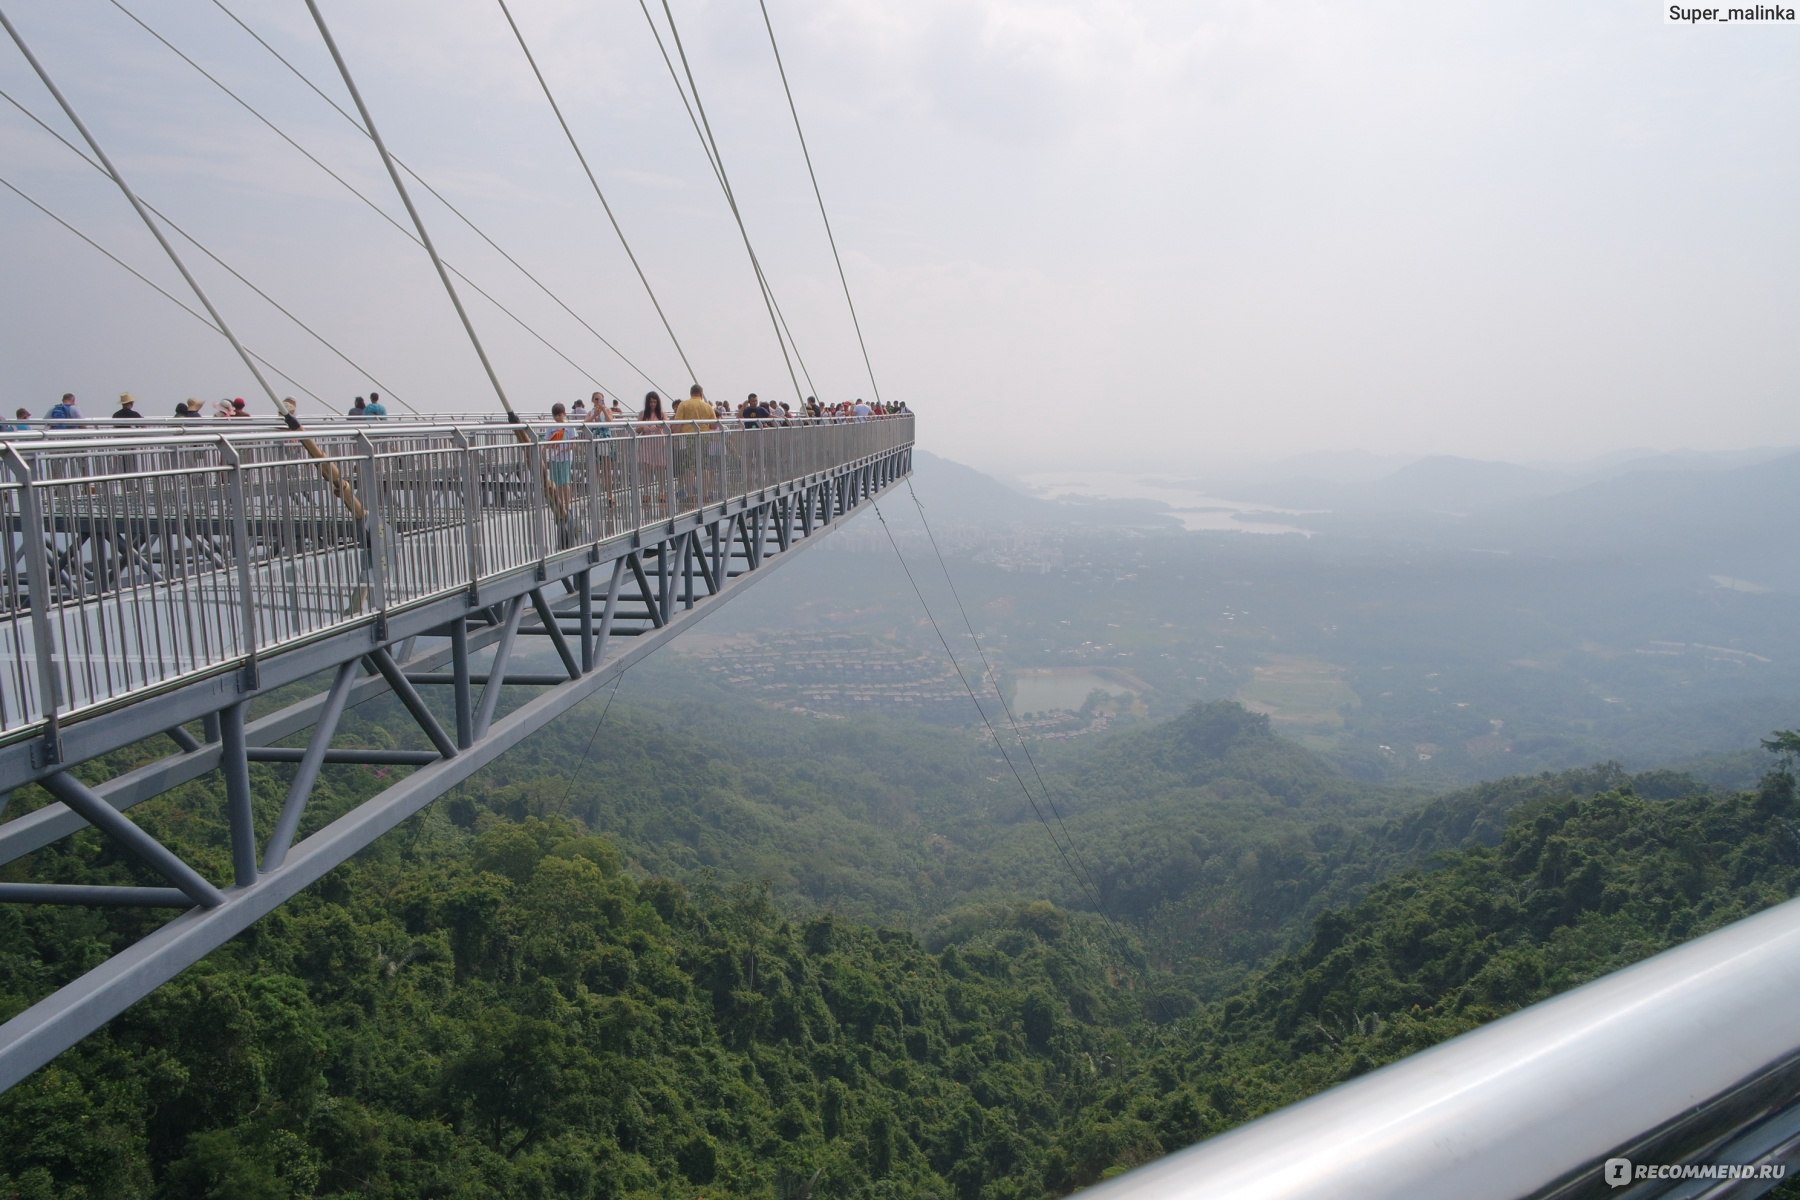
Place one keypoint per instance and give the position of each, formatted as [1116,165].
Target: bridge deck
[134,563]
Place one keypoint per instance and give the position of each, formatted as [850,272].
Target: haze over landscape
[1078,232]
[1345,593]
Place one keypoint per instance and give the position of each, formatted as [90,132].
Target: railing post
[37,580]
[634,479]
[471,507]
[240,549]
[535,466]
[374,525]
[593,526]
[700,467]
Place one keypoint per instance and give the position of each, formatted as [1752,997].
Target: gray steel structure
[1687,1059]
[158,581]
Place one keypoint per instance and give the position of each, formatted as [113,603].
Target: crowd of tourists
[695,412]
[67,411]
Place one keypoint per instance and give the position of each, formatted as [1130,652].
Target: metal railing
[1688,1059]
[135,561]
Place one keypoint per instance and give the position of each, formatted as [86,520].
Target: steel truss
[600,607]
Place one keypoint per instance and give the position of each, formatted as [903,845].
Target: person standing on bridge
[128,409]
[20,417]
[652,428]
[376,408]
[358,409]
[559,459]
[598,423]
[696,413]
[189,408]
[64,410]
[694,417]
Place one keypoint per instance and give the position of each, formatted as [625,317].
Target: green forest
[703,955]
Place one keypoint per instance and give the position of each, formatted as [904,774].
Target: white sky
[1125,232]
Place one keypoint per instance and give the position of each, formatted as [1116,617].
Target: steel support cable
[457,212]
[588,749]
[993,733]
[595,184]
[196,244]
[406,199]
[998,691]
[150,224]
[712,161]
[166,294]
[327,469]
[352,189]
[819,196]
[730,198]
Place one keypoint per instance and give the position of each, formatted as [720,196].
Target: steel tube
[241,817]
[1535,1103]
[415,704]
[111,821]
[349,754]
[89,895]
[310,759]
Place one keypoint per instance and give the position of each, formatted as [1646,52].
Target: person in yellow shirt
[697,411]
[693,418]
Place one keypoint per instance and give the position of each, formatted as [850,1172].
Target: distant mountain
[1444,483]
[1322,466]
[1440,484]
[1737,509]
[951,489]
[1687,460]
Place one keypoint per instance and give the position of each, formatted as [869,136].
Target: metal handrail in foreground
[1691,1057]
[136,561]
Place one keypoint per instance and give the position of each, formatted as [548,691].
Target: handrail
[1692,1057]
[142,558]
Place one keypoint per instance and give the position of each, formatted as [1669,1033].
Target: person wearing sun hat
[128,408]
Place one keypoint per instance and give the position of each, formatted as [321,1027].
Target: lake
[1192,507]
[1043,691]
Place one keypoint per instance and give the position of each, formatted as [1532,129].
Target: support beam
[415,705]
[300,790]
[89,896]
[241,817]
[110,821]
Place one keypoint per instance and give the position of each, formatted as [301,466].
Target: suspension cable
[1081,882]
[406,199]
[730,197]
[817,195]
[595,183]
[165,293]
[712,161]
[195,242]
[360,195]
[998,690]
[458,213]
[143,214]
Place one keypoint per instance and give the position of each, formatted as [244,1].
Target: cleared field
[1303,696]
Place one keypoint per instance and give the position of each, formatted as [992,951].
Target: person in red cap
[238,409]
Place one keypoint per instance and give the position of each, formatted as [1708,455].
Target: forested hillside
[1577,886]
[572,983]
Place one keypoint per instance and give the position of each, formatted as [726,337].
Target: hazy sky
[1122,231]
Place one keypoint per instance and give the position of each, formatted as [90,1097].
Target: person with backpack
[65,410]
